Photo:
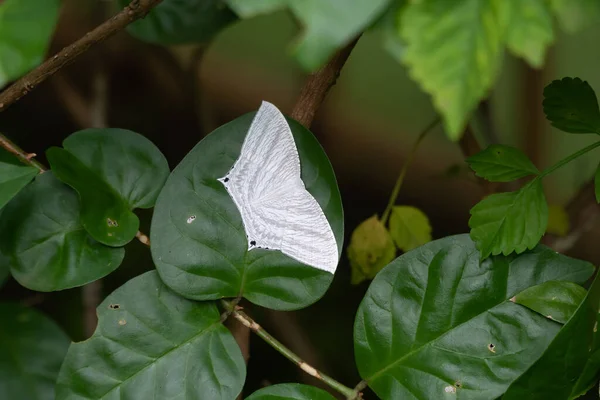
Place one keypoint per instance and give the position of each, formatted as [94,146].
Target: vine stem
[567,160]
[243,318]
[135,10]
[405,167]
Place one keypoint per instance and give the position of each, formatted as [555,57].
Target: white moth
[277,211]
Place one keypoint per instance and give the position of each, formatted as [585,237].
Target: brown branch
[317,86]
[135,10]
[24,157]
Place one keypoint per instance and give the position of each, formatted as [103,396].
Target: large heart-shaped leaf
[507,222]
[32,348]
[48,248]
[13,176]
[453,49]
[25,31]
[556,374]
[290,391]
[198,240]
[114,171]
[437,322]
[153,344]
[181,21]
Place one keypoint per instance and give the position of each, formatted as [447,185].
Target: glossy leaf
[409,227]
[570,104]
[114,171]
[575,15]
[554,300]
[453,49]
[556,373]
[500,163]
[558,220]
[25,31]
[153,344]
[32,348]
[530,30]
[48,248]
[597,184]
[249,9]
[290,391]
[371,248]
[181,21]
[330,25]
[198,240]
[510,222]
[437,322]
[13,176]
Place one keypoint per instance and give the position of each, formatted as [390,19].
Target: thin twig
[317,86]
[24,157]
[277,345]
[135,10]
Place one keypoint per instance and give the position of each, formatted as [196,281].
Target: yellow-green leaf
[371,248]
[558,220]
[409,227]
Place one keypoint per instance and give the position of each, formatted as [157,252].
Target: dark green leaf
[249,9]
[330,25]
[437,321]
[153,344]
[13,176]
[48,248]
[32,348]
[181,21]
[554,300]
[529,31]
[507,222]
[104,214]
[4,268]
[290,391]
[556,373]
[114,171]
[499,163]
[25,31]
[409,227]
[597,184]
[453,49]
[371,248]
[207,257]
[570,104]
[575,15]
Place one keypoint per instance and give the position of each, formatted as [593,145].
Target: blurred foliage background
[177,95]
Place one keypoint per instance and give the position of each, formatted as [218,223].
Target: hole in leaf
[492,347]
[114,306]
[191,219]
[111,222]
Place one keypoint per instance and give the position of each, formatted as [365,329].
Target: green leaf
[32,347]
[500,163]
[409,227]
[555,375]
[198,240]
[570,104]
[13,176]
[49,250]
[113,171]
[153,344]
[181,21]
[554,300]
[507,222]
[290,391]
[4,268]
[529,31]
[575,15]
[371,248]
[436,323]
[597,184]
[558,221]
[249,9]
[387,28]
[25,31]
[453,49]
[330,25]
